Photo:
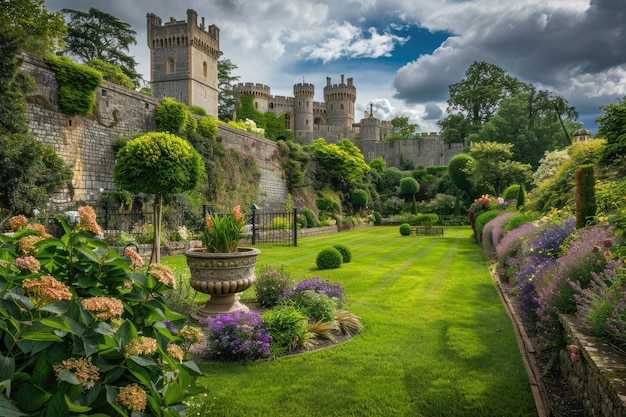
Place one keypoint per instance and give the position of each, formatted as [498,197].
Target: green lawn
[436,342]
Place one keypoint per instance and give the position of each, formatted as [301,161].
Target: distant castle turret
[183,61]
[184,58]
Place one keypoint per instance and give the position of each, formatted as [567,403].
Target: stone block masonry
[86,144]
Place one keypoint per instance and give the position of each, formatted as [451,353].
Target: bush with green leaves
[329,258]
[86,331]
[288,328]
[346,254]
[280,223]
[378,218]
[405,229]
[317,307]
[359,199]
[270,285]
[311,218]
[77,85]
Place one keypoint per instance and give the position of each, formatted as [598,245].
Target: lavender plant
[238,336]
[316,284]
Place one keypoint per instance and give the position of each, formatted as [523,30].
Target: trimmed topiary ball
[346,255]
[329,258]
[405,229]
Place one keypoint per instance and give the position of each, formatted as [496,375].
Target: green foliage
[246,110]
[519,219]
[328,205]
[485,218]
[158,163]
[339,165]
[79,323]
[378,218]
[521,197]
[311,218]
[315,306]
[111,73]
[99,35]
[31,173]
[170,116]
[585,195]
[405,229]
[294,161]
[426,219]
[275,127]
[611,126]
[379,165]
[77,84]
[402,129]
[288,328]
[511,192]
[359,199]
[270,285]
[27,21]
[197,110]
[346,255]
[492,168]
[393,176]
[329,258]
[280,223]
[225,80]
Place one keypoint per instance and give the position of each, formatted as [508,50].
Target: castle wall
[86,143]
[430,150]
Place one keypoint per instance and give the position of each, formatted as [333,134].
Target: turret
[303,108]
[340,99]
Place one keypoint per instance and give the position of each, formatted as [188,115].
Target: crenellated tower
[340,99]
[183,60]
[303,109]
[260,94]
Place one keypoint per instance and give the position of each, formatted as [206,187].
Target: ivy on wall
[77,84]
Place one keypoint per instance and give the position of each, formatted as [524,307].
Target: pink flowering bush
[83,330]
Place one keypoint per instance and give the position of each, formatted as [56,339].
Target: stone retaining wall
[595,371]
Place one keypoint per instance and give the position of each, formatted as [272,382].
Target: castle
[184,58]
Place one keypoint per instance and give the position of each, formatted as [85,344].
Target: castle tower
[183,60]
[260,95]
[340,99]
[303,109]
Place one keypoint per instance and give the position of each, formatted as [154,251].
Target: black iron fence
[278,228]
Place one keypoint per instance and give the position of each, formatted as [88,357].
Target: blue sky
[404,55]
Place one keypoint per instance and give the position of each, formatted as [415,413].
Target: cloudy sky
[402,54]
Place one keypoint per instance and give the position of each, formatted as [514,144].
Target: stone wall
[86,143]
[595,371]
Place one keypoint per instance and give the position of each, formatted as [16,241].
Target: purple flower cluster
[331,289]
[238,336]
[493,232]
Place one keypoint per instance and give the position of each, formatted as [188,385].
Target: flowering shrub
[316,284]
[238,336]
[271,285]
[223,232]
[84,329]
[493,232]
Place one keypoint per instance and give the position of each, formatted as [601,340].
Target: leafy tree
[99,35]
[37,30]
[402,129]
[529,122]
[456,170]
[158,163]
[475,99]
[340,165]
[225,80]
[14,85]
[492,169]
[612,127]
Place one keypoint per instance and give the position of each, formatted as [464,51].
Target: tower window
[205,69]
[171,65]
[341,106]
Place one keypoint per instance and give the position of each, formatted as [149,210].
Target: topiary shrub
[346,255]
[378,218]
[359,199]
[585,195]
[511,192]
[329,258]
[405,229]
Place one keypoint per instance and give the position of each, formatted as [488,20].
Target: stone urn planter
[222,276]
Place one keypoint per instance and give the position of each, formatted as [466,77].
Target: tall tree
[99,35]
[402,129]
[38,30]
[492,169]
[225,80]
[476,99]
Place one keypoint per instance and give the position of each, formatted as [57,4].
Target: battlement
[252,89]
[304,89]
